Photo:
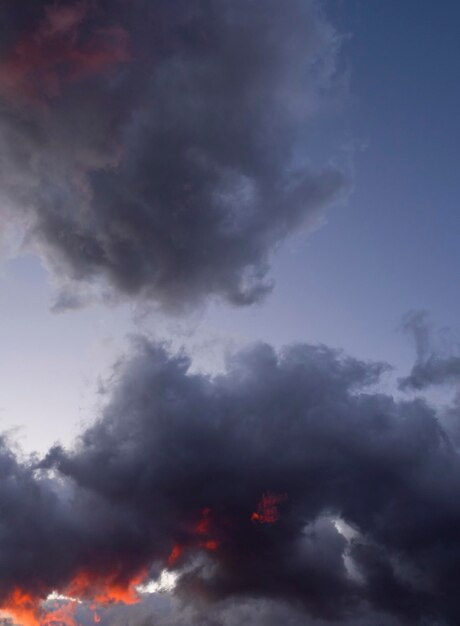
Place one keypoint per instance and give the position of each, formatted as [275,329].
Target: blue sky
[393,247]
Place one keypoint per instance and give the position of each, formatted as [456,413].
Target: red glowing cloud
[56,52]
[267,508]
[101,591]
[200,537]
[202,527]
[174,555]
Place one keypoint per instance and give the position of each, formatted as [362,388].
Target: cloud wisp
[150,146]
[434,365]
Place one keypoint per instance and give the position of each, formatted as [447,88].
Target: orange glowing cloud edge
[102,591]
[27,610]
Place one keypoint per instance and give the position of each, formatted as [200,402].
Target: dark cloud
[49,532]
[436,363]
[366,521]
[167,611]
[150,145]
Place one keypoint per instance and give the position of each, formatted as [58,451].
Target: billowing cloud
[285,480]
[151,146]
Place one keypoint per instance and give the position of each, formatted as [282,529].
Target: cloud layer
[150,145]
[361,519]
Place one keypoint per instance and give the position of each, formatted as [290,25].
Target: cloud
[151,145]
[434,364]
[166,611]
[361,519]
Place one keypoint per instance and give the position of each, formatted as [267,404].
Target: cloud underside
[151,147]
[365,523]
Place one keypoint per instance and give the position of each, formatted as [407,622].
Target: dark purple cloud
[172,472]
[150,145]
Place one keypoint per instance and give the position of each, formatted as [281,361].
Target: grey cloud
[434,365]
[299,423]
[167,611]
[365,526]
[154,157]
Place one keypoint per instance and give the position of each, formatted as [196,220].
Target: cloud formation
[150,148]
[434,365]
[361,517]
[151,145]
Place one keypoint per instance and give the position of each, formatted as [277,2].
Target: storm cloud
[151,148]
[286,480]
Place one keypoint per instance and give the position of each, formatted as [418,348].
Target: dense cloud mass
[281,483]
[149,145]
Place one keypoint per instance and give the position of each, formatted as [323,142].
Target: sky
[229,313]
